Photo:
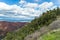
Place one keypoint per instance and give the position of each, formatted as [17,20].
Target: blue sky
[25,10]
[11,2]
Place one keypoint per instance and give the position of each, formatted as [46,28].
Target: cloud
[25,11]
[46,6]
[4,6]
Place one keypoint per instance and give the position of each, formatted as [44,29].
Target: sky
[25,10]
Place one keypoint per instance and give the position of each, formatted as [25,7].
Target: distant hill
[10,26]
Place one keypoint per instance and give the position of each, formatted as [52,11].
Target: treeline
[35,24]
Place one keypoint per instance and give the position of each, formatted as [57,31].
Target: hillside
[53,27]
[42,23]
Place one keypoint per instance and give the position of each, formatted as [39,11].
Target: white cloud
[4,6]
[25,9]
[1,14]
[46,6]
[22,2]
[32,5]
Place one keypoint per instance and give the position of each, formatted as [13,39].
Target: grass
[55,35]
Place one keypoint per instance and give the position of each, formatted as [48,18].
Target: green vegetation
[36,24]
[51,36]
